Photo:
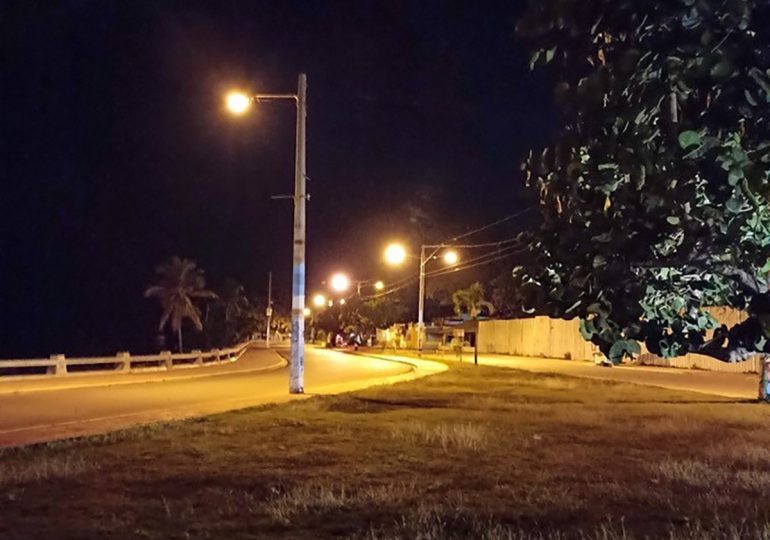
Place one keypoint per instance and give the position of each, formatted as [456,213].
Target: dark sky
[116,152]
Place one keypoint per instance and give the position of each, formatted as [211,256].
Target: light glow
[451,257]
[395,254]
[340,282]
[238,102]
[379,285]
[307,312]
[319,300]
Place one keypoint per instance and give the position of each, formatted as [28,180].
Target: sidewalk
[734,385]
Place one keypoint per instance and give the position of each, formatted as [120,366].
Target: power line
[494,223]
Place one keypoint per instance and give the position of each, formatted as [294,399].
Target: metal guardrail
[58,365]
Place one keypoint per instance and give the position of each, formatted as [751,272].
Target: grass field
[475,452]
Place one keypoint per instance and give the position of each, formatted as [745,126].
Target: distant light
[451,257]
[395,254]
[330,303]
[319,300]
[340,282]
[342,301]
[238,102]
[307,312]
[379,285]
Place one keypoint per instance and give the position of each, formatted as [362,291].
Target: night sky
[117,153]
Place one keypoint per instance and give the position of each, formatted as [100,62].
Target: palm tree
[471,300]
[181,281]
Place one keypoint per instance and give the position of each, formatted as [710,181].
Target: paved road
[34,411]
[734,385]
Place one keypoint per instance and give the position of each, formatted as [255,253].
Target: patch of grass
[475,452]
[446,436]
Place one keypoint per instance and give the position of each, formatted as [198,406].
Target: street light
[340,282]
[395,254]
[450,257]
[239,103]
[306,312]
[379,285]
[319,300]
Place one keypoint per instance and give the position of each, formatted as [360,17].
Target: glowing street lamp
[379,285]
[238,102]
[340,282]
[451,257]
[342,301]
[319,300]
[306,312]
[395,254]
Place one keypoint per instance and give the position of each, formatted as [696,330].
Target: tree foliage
[654,194]
[180,283]
[471,300]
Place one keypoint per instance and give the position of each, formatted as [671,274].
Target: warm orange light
[319,300]
[342,301]
[451,257]
[340,282]
[379,285]
[238,102]
[306,311]
[395,254]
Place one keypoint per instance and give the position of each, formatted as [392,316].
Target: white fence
[123,362]
[557,338]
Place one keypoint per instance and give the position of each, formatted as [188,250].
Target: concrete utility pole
[421,301]
[297,367]
[269,310]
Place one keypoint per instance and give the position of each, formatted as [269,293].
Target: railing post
[61,364]
[168,360]
[124,359]
[217,355]
[199,357]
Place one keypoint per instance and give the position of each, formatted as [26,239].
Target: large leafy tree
[180,282]
[654,193]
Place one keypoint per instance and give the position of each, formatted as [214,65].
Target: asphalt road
[48,409]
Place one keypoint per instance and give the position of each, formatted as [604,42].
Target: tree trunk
[179,337]
[764,379]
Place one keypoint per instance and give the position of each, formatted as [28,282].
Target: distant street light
[379,285]
[239,103]
[319,300]
[395,254]
[306,312]
[340,282]
[342,301]
[450,257]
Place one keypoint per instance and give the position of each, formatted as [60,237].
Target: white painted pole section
[297,366]
[421,301]
[269,309]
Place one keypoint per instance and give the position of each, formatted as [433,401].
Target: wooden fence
[557,338]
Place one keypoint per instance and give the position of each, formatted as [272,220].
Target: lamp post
[238,103]
[396,254]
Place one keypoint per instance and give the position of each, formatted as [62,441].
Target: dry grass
[45,468]
[446,436]
[479,453]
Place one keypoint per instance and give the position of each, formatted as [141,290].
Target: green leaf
[689,138]
[673,220]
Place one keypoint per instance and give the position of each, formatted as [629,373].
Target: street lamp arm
[268,97]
